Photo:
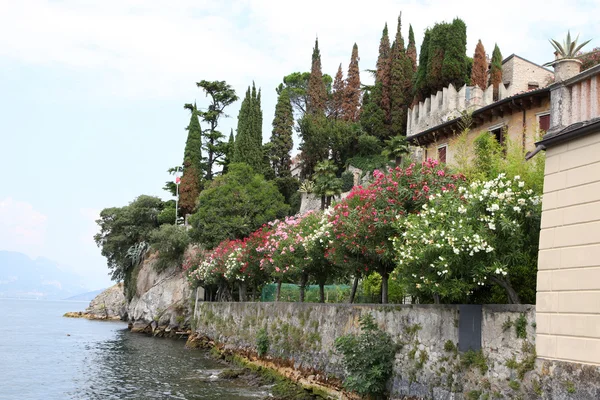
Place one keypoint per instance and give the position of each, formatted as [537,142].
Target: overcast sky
[92,92]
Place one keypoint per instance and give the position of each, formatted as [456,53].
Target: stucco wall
[514,124]
[568,299]
[428,364]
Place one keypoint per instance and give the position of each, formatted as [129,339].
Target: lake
[46,356]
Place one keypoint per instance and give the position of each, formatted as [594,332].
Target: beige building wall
[568,283]
[514,132]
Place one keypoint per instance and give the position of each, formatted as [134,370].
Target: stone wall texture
[568,298]
[428,365]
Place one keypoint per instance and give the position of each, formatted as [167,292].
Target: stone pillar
[488,94]
[561,101]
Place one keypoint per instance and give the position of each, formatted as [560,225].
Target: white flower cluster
[233,266]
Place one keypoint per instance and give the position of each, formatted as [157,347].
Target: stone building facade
[519,114]
[568,287]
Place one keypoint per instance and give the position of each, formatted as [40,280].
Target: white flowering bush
[484,234]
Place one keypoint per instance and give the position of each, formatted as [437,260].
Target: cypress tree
[248,142]
[496,71]
[480,67]
[351,103]
[455,64]
[228,153]
[400,84]
[281,138]
[421,90]
[338,95]
[381,96]
[191,180]
[316,93]
[411,49]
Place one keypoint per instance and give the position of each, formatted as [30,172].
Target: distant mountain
[41,278]
[88,296]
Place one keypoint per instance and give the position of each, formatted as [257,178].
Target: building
[568,284]
[520,111]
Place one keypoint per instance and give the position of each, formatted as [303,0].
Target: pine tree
[400,84]
[248,142]
[480,67]
[351,103]
[337,99]
[191,180]
[411,49]
[281,138]
[496,71]
[316,93]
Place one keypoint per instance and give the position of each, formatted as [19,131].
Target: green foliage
[401,87]
[221,96]
[315,135]
[347,181]
[475,359]
[327,184]
[288,186]
[521,326]
[570,387]
[514,385]
[248,142]
[296,84]
[507,325]
[368,358]
[370,163]
[569,48]
[124,227]
[235,205]
[281,138]
[191,181]
[371,290]
[368,145]
[450,347]
[474,395]
[262,342]
[496,70]
[170,241]
[395,148]
[167,215]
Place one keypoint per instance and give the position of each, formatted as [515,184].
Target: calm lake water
[99,360]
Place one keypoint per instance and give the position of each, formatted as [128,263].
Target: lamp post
[177,182]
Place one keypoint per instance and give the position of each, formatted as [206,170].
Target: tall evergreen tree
[351,103]
[381,95]
[455,65]
[316,92]
[281,138]
[421,89]
[337,99]
[191,180]
[400,84]
[248,142]
[411,49]
[229,152]
[221,95]
[480,67]
[496,71]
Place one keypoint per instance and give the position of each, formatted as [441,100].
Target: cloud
[22,228]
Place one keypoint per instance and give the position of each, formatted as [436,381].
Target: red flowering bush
[362,225]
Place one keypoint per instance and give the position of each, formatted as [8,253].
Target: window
[498,134]
[544,121]
[442,150]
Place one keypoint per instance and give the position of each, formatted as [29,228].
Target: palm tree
[327,184]
[395,148]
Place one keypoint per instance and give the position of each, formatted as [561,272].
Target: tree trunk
[278,293]
[303,280]
[243,291]
[323,200]
[436,298]
[354,288]
[321,292]
[398,161]
[384,287]
[513,297]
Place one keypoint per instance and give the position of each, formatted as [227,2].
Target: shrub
[368,145]
[262,342]
[170,241]
[368,358]
[167,216]
[347,181]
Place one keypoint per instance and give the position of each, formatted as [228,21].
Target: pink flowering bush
[362,225]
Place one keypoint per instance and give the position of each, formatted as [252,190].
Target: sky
[92,92]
